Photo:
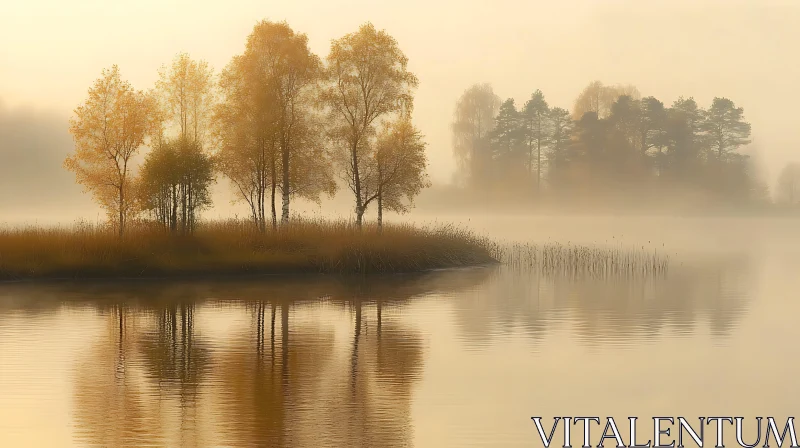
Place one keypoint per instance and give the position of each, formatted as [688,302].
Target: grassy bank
[235,248]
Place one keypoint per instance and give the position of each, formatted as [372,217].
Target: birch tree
[245,131]
[286,67]
[367,81]
[187,95]
[400,163]
[270,133]
[109,128]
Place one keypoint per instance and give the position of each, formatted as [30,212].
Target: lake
[457,358]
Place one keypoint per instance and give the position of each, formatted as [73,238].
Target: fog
[32,181]
[52,51]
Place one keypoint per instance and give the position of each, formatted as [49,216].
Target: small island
[235,248]
[277,124]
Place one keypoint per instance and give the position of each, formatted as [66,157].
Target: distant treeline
[613,142]
[279,123]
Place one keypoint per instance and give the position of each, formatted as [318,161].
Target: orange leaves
[400,162]
[109,128]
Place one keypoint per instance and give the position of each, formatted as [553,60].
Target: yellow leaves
[367,82]
[268,130]
[367,77]
[269,134]
[187,96]
[108,129]
[400,163]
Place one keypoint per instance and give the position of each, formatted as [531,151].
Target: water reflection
[258,384]
[620,310]
[102,295]
[150,377]
[310,362]
[111,405]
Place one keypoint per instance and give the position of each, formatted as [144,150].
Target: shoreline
[223,277]
[236,249]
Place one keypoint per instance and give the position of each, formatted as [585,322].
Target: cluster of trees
[279,123]
[613,139]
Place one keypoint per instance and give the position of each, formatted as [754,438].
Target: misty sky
[52,50]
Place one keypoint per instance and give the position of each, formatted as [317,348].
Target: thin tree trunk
[173,225]
[254,213]
[359,216]
[272,198]
[380,210]
[258,210]
[357,184]
[184,211]
[262,188]
[285,186]
[121,210]
[190,205]
[274,216]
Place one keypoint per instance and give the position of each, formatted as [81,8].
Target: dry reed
[235,247]
[579,260]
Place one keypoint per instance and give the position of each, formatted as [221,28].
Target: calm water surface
[446,359]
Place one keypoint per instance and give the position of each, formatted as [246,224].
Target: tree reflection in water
[111,404]
[332,362]
[620,310]
[286,380]
[306,390]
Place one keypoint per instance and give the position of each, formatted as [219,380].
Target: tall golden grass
[235,247]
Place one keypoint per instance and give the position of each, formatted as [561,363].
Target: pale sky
[52,50]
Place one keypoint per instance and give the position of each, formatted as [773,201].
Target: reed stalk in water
[569,259]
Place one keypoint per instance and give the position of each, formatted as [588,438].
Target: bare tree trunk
[121,210]
[285,186]
[254,212]
[173,225]
[274,216]
[272,197]
[357,184]
[260,206]
[190,206]
[380,210]
[359,216]
[184,210]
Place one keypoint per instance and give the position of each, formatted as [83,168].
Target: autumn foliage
[109,129]
[278,123]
